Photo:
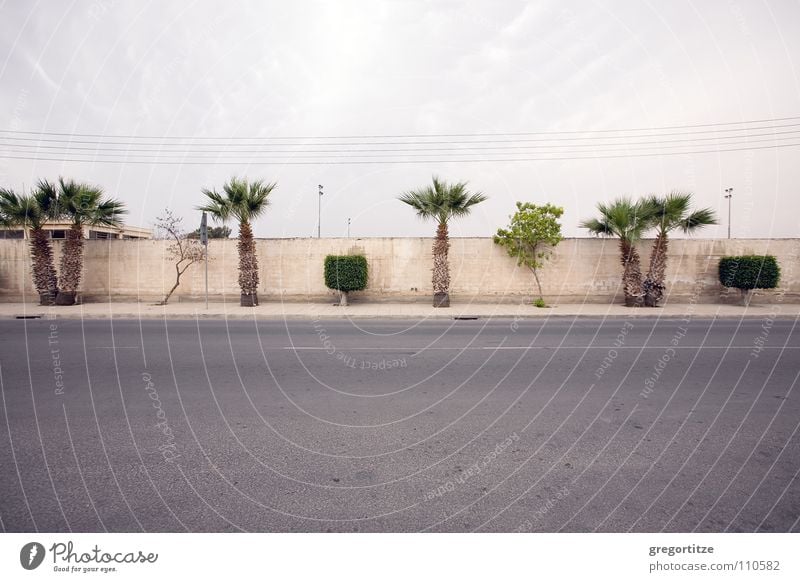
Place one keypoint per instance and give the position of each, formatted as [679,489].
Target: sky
[151,78]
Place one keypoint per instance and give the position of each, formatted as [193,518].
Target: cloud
[354,68]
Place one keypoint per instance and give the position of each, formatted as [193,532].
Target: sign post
[204,242]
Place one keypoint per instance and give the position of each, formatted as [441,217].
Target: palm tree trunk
[653,285]
[71,265]
[631,274]
[44,271]
[441,267]
[248,266]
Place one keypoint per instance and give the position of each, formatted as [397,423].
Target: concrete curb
[622,313]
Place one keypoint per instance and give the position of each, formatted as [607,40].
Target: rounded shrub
[749,272]
[346,273]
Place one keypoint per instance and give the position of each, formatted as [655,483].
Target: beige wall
[580,270]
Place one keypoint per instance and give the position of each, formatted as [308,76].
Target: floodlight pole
[319,213]
[729,196]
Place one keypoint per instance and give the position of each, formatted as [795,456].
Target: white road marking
[115,347]
[405,348]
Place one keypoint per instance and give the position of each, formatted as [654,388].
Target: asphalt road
[397,425]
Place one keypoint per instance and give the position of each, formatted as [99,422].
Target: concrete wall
[400,269]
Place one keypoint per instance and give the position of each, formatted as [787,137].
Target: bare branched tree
[183,251]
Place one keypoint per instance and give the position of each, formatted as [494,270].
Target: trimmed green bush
[346,273]
[749,272]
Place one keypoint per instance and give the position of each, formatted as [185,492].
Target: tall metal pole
[204,242]
[348,228]
[319,214]
[729,196]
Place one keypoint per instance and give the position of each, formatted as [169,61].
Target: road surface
[400,425]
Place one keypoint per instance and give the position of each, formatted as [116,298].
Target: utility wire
[744,139]
[425,142]
[291,162]
[323,154]
[52,146]
[572,132]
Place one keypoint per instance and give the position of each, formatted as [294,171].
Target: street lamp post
[204,242]
[729,196]
[319,213]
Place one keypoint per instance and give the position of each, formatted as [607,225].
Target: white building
[58,230]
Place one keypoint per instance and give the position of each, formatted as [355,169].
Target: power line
[560,132]
[425,142]
[743,139]
[50,146]
[323,154]
[398,161]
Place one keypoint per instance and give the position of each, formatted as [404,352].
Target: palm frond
[461,202]
[258,198]
[217,205]
[108,213]
[671,213]
[240,199]
[441,200]
[16,210]
[698,219]
[677,203]
[597,227]
[80,203]
[623,218]
[46,195]
[422,201]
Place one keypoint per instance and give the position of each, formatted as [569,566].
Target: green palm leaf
[240,199]
[442,201]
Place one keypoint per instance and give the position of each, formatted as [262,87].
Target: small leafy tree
[346,273]
[749,272]
[183,251]
[530,237]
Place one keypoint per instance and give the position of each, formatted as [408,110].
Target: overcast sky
[377,68]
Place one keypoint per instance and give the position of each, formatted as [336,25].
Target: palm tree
[83,205]
[31,212]
[244,201]
[628,221]
[671,212]
[441,201]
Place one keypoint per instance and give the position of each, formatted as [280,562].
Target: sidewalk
[279,310]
